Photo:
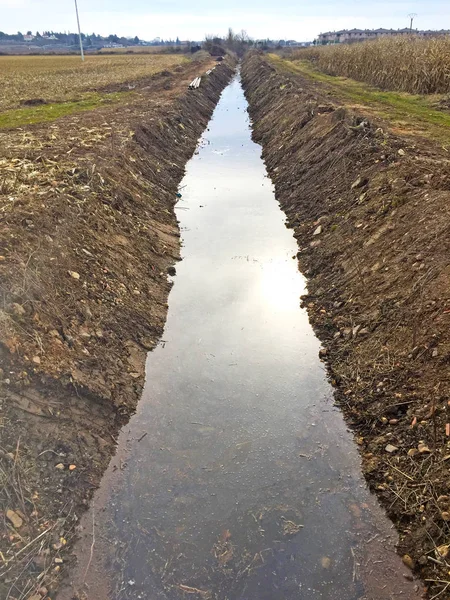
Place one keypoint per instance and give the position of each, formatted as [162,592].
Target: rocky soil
[88,237]
[371,214]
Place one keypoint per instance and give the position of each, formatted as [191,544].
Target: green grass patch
[31,115]
[407,111]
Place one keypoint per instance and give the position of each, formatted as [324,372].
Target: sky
[301,20]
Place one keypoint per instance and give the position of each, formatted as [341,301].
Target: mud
[89,234]
[371,215]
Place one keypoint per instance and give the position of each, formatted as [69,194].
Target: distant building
[28,38]
[359,35]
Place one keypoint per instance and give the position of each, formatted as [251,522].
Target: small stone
[445,516]
[59,466]
[171,271]
[423,448]
[43,591]
[393,421]
[413,452]
[347,332]
[323,352]
[401,152]
[14,518]
[325,561]
[72,467]
[136,292]
[384,420]
[390,448]
[434,353]
[408,561]
[318,231]
[360,182]
[36,360]
[59,561]
[74,274]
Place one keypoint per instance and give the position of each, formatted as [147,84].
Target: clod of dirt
[171,271]
[15,519]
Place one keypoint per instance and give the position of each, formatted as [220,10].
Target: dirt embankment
[88,237]
[371,214]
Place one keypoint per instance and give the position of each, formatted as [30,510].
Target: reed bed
[409,64]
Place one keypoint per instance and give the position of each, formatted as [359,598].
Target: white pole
[79,30]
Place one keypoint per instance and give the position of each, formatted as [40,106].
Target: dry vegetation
[61,78]
[409,64]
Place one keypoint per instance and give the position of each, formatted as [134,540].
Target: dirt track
[371,214]
[88,237]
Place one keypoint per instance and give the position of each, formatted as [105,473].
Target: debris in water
[289,527]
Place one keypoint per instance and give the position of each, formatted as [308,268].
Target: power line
[79,30]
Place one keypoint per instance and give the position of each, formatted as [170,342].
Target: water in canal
[237,478]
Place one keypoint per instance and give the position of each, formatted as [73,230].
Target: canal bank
[237,477]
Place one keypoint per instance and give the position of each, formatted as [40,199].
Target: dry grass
[409,64]
[61,78]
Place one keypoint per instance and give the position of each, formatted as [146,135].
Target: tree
[136,40]
[178,43]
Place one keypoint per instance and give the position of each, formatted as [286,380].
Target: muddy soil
[371,214]
[88,238]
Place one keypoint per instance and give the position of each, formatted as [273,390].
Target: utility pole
[412,17]
[79,30]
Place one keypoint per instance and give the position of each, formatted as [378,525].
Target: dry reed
[410,64]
